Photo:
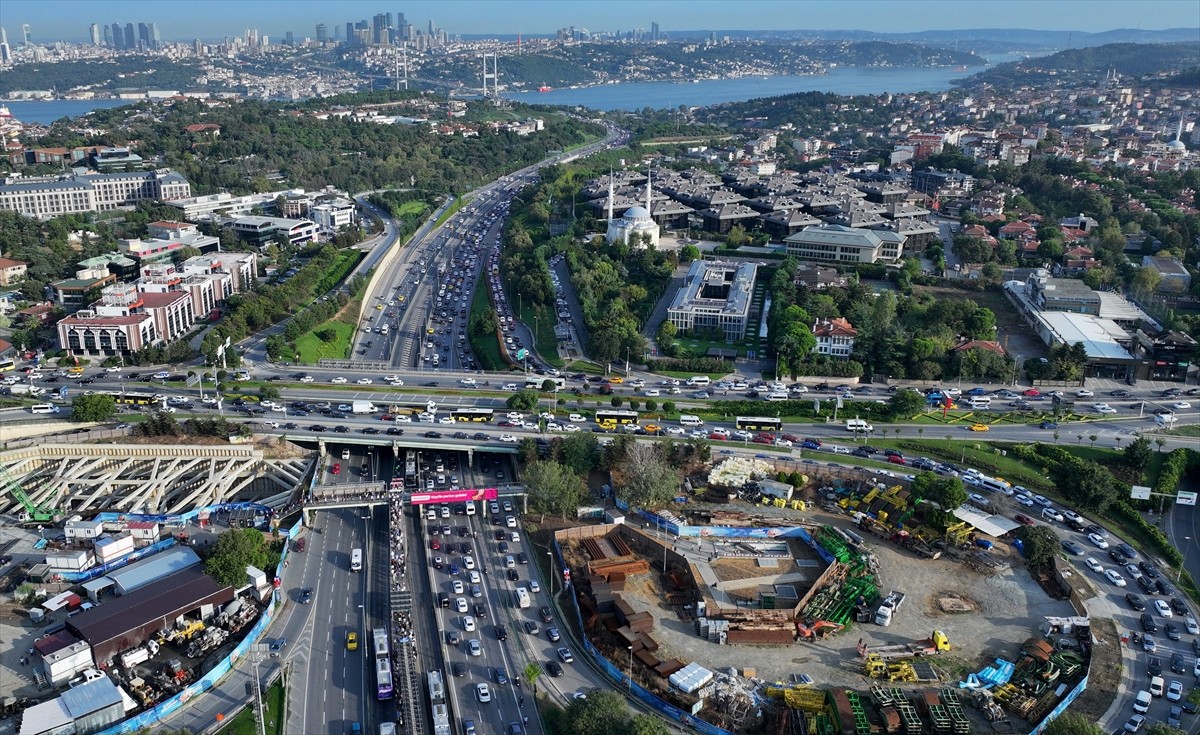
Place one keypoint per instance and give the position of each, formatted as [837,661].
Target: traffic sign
[1139,492]
[1185,498]
[522,353]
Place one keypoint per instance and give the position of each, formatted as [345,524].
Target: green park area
[330,340]
[244,723]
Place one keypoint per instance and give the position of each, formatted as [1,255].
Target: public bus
[132,397]
[383,664]
[534,382]
[356,560]
[410,468]
[759,423]
[472,414]
[437,689]
[7,364]
[609,418]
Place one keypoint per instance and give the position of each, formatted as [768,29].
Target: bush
[691,365]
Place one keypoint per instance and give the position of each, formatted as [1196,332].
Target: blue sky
[68,20]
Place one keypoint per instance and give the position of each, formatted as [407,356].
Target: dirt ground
[985,617]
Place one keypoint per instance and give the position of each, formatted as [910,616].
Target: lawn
[414,208]
[700,347]
[1189,430]
[544,341]
[585,367]
[486,348]
[312,348]
[244,723]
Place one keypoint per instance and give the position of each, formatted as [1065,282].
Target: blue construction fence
[1063,706]
[183,518]
[736,532]
[622,678]
[152,717]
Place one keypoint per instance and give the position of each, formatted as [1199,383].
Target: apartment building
[261,231]
[714,295]
[841,244]
[53,196]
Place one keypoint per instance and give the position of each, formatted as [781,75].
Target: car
[1127,550]
[1148,643]
[1154,668]
[555,636]
[306,595]
[339,381]
[978,427]
[531,627]
[500,675]
[433,435]
[364,381]
[1179,606]
[1134,723]
[1146,620]
[1164,588]
[352,641]
[1114,577]
[1174,718]
[1098,540]
[460,604]
[1171,630]
[453,637]
[1024,519]
[474,648]
[501,632]
[1148,569]
[508,438]
[1094,565]
[1072,548]
[1178,664]
[1031,392]
[1135,601]
[545,614]
[1163,608]
[1048,425]
[1084,393]
[459,669]
[553,669]
[534,586]
[483,693]
[1190,624]
[336,468]
[564,654]
[1181,405]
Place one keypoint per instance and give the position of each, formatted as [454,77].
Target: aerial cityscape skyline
[69,20]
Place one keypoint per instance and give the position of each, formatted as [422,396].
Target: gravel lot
[1005,609]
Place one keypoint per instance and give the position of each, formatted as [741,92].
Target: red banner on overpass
[455,496]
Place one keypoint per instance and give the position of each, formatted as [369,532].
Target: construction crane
[34,513]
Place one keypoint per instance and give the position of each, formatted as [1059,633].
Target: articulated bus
[472,414]
[410,468]
[759,423]
[132,397]
[611,418]
[383,665]
[356,560]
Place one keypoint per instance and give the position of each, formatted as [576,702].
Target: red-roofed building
[980,344]
[208,130]
[12,271]
[835,337]
[1015,230]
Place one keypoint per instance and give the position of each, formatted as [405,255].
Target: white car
[720,432]
[514,416]
[1094,565]
[339,381]
[571,428]
[307,379]
[468,623]
[977,498]
[675,430]
[446,420]
[1024,500]
[1181,406]
[508,438]
[1098,540]
[1084,393]
[576,418]
[396,383]
[392,379]
[404,419]
[742,435]
[426,418]
[467,382]
[364,381]
[112,369]
[1163,608]
[482,692]
[553,426]
[799,388]
[781,442]
[458,587]
[1106,410]
[1115,577]
[534,587]
[208,401]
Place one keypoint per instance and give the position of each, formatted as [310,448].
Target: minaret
[610,195]
[649,176]
[1179,129]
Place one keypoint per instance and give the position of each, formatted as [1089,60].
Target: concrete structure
[847,245]
[85,709]
[195,209]
[64,657]
[1175,277]
[332,215]
[835,337]
[126,622]
[714,295]
[92,334]
[242,268]
[261,231]
[167,238]
[47,197]
[818,278]
[12,271]
[1061,294]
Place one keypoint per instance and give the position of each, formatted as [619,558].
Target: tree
[947,492]
[93,408]
[527,450]
[647,725]
[602,713]
[525,400]
[645,479]
[548,385]
[532,672]
[1069,723]
[666,333]
[579,452]
[553,487]
[688,253]
[1040,544]
[1137,455]
[1146,280]
[1087,485]
[236,549]
[906,403]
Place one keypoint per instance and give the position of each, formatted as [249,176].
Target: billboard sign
[1185,498]
[455,496]
[1139,492]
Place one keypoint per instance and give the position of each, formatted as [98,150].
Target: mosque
[635,221]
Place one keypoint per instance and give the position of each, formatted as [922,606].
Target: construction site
[863,617]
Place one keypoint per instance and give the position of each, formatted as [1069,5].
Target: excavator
[816,630]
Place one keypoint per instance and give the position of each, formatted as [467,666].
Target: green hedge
[1173,470]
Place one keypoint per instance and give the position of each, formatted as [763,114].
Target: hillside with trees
[1088,65]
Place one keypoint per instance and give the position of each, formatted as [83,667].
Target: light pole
[1183,551]
[630,667]
[550,554]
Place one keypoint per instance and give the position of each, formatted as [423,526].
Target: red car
[435,544]
[387,417]
[718,437]
[1032,393]
[795,439]
[896,459]
[1023,519]
[337,468]
[762,439]
[505,423]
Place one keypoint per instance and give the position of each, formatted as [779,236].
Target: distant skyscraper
[3,36]
[26,35]
[108,36]
[350,34]
[143,36]
[322,33]
[291,41]
[654,31]
[198,47]
[130,37]
[379,28]
[155,40]
[431,26]
[118,35]
[94,34]
[5,53]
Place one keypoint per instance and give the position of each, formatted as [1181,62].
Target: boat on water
[961,68]
[545,88]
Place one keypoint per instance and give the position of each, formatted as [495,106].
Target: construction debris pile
[886,710]
[738,472]
[852,583]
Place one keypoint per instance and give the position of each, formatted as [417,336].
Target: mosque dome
[636,214]
[1177,145]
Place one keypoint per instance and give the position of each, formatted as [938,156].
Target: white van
[838,449]
[858,425]
[43,408]
[470,507]
[690,420]
[1141,703]
[995,484]
[781,395]
[698,380]
[980,403]
[1165,419]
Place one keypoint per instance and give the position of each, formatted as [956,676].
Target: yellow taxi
[617,380]
[352,641]
[979,427]
[378,307]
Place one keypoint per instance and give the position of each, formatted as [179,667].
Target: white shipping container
[72,560]
[111,548]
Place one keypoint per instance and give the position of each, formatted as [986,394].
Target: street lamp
[630,667]
[550,554]
[1183,553]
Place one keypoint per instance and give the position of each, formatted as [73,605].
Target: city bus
[410,468]
[132,397]
[472,414]
[759,423]
[356,560]
[7,364]
[383,664]
[611,418]
[534,382]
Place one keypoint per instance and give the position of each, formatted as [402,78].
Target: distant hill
[1089,64]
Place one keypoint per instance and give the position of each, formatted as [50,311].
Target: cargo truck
[362,407]
[23,389]
[935,644]
[889,607]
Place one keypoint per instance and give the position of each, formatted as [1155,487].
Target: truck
[23,389]
[889,607]
[362,407]
[132,658]
[934,644]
